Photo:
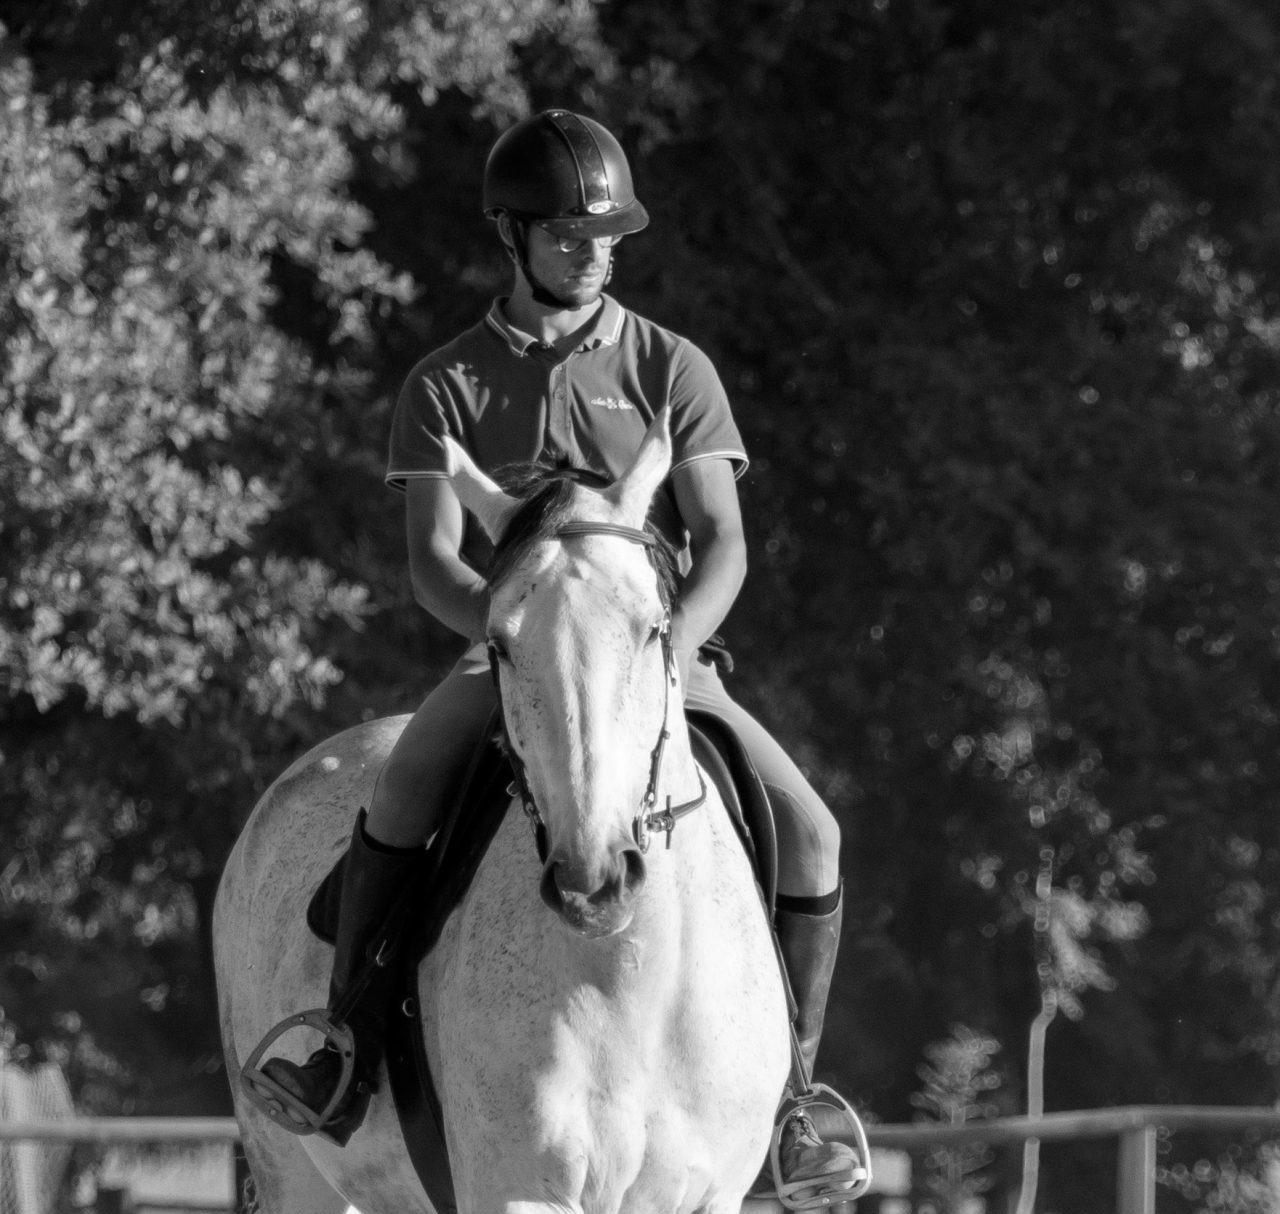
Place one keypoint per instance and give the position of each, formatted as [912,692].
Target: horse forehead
[586,567]
[590,573]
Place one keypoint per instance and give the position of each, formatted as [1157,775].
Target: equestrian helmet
[567,173]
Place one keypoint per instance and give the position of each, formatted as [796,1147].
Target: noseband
[647,819]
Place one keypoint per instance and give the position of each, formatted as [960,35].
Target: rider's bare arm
[707,495]
[442,582]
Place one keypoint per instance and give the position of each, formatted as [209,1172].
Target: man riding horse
[561,372]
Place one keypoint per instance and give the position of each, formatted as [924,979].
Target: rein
[648,819]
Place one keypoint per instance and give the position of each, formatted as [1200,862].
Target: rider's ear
[506,234]
[478,492]
[634,489]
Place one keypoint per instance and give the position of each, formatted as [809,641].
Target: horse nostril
[634,875]
[549,888]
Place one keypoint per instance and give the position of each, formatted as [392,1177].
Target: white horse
[608,1029]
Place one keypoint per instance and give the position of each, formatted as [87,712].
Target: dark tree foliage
[994,289]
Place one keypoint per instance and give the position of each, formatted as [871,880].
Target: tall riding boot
[374,875]
[809,944]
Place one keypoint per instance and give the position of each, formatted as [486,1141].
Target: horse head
[579,635]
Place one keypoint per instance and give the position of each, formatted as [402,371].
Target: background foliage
[994,291]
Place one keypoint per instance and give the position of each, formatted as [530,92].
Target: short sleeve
[422,417]
[702,424]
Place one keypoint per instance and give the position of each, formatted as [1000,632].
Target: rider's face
[578,277]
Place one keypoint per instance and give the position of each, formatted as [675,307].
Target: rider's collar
[606,330]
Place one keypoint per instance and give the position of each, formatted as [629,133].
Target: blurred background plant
[959,1081]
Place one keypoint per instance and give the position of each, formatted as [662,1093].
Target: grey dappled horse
[607,1028]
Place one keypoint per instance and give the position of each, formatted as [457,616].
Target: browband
[634,534]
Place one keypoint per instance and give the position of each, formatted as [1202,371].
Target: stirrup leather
[833,1191]
[277,1102]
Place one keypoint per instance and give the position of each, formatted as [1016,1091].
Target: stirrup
[849,1187]
[278,1102]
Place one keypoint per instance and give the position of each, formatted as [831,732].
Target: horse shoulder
[295,832]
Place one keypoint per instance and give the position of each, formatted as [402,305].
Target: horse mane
[545,492]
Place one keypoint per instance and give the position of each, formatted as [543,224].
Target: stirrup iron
[277,1102]
[837,1190]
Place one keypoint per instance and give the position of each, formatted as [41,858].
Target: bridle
[648,818]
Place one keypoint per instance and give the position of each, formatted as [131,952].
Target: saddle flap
[724,758]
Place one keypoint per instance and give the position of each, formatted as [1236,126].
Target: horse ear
[634,489]
[478,492]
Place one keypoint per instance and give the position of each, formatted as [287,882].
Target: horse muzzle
[593,900]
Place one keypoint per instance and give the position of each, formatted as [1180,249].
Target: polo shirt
[507,399]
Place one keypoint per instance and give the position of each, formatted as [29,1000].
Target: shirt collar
[605,332]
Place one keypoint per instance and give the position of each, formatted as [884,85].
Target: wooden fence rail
[1135,1126]
[123,1129]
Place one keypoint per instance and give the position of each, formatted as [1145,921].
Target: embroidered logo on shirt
[611,402]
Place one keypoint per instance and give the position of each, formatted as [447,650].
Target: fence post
[1136,1171]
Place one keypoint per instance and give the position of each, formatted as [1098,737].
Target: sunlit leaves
[125,402]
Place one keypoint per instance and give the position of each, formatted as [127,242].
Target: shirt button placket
[561,427]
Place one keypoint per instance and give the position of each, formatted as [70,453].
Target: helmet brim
[622,222]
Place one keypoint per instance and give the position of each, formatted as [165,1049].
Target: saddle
[448,868]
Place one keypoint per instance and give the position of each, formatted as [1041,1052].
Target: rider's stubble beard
[568,290]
